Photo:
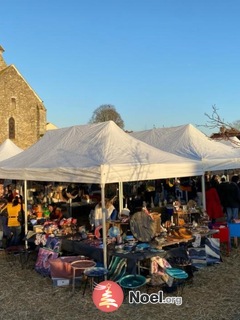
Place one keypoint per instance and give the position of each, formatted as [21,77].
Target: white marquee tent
[8,149]
[187,141]
[98,153]
[233,142]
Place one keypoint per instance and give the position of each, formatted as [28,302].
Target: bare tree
[226,129]
[236,124]
[107,112]
[215,121]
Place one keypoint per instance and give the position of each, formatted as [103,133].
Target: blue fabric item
[198,257]
[234,229]
[99,264]
[95,272]
[176,273]
[114,215]
[212,247]
[53,243]
[197,252]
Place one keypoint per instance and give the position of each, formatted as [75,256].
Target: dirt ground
[213,293]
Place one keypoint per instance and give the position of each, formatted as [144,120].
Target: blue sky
[159,62]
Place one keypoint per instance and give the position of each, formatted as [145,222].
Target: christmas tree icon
[106,299]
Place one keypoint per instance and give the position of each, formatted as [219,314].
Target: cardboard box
[61,282]
[61,267]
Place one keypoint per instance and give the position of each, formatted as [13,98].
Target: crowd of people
[12,216]
[222,201]
[223,198]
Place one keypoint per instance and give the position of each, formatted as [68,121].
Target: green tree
[107,112]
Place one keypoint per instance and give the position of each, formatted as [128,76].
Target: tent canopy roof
[188,141]
[95,153]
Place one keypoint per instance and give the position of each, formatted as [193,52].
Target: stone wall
[20,102]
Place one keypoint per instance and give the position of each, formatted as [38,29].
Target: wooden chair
[117,268]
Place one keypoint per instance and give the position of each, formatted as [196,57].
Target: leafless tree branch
[226,130]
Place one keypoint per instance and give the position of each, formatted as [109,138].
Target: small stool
[80,265]
[96,275]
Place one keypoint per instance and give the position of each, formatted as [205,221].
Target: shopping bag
[42,264]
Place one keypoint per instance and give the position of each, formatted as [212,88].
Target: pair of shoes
[176,234]
[186,234]
[181,233]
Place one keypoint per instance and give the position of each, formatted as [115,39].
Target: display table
[89,248]
[134,258]
[94,250]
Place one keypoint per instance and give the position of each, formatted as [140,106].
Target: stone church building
[23,115]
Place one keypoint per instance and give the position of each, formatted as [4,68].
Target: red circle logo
[107,296]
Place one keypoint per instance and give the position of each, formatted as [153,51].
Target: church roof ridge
[18,72]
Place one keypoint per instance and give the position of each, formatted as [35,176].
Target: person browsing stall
[55,212]
[111,212]
[232,199]
[15,217]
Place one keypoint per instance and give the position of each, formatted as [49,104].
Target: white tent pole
[203,192]
[120,195]
[70,207]
[25,213]
[104,225]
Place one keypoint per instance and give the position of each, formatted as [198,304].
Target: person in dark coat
[215,181]
[232,199]
[222,191]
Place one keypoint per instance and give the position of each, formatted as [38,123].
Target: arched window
[11,128]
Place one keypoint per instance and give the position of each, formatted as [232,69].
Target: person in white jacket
[111,212]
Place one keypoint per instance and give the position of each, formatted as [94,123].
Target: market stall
[98,153]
